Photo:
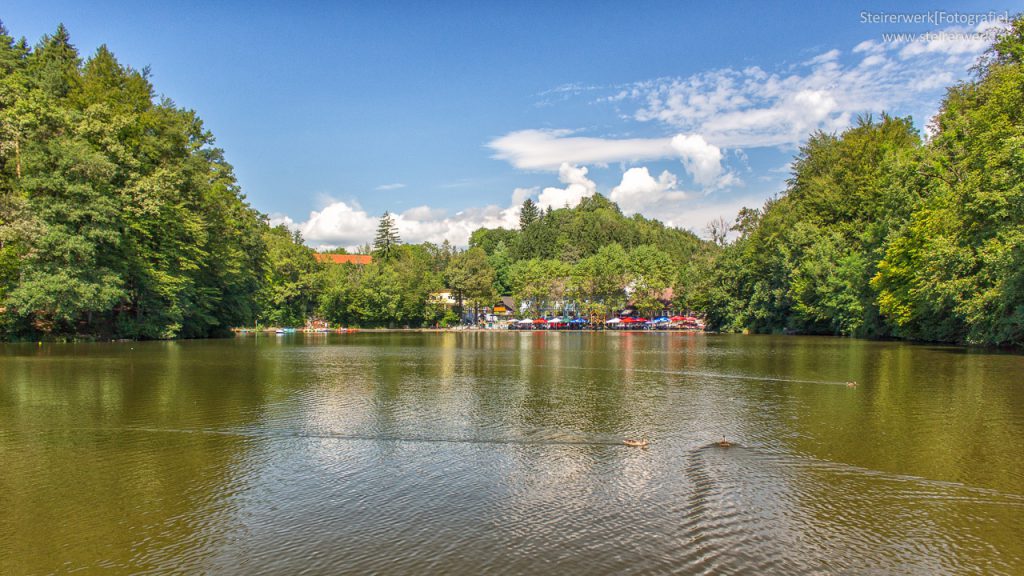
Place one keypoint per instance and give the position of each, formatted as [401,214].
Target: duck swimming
[635,443]
[851,383]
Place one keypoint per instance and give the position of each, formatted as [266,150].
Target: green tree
[387,237]
[290,293]
[336,294]
[528,214]
[471,277]
[500,259]
[651,273]
[117,216]
[376,296]
[598,282]
[540,284]
[956,271]
[490,238]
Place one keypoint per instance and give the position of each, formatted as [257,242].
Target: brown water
[501,453]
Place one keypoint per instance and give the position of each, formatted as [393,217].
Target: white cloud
[578,187]
[393,186]
[869,46]
[753,107]
[346,224]
[277,219]
[339,224]
[554,149]
[695,216]
[519,195]
[423,213]
[436,226]
[826,57]
[702,160]
[549,149]
[639,191]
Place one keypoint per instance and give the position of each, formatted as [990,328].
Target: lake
[501,453]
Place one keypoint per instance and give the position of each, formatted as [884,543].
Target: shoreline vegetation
[119,219]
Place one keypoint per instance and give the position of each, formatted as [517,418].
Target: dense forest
[120,219]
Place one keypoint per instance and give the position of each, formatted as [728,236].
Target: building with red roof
[357,259]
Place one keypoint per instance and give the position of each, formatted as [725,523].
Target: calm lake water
[501,453]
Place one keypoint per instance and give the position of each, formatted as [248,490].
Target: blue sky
[451,115]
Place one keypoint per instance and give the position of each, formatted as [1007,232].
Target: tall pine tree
[528,214]
[387,237]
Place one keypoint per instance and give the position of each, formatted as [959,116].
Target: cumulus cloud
[436,226]
[639,191]
[578,187]
[277,219]
[346,224]
[423,213]
[702,160]
[338,224]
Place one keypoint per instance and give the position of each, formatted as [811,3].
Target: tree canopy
[118,217]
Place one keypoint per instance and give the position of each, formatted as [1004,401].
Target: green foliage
[650,273]
[471,277]
[387,293]
[956,271]
[598,282]
[571,234]
[290,290]
[500,259]
[489,238]
[538,284]
[803,262]
[117,216]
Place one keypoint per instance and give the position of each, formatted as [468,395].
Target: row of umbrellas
[628,320]
[555,320]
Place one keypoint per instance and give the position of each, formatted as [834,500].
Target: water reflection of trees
[99,467]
